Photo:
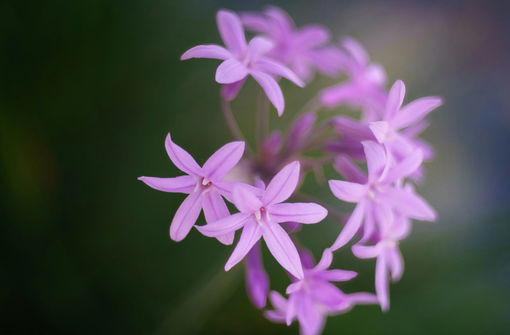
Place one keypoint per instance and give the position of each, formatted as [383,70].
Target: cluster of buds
[258,183]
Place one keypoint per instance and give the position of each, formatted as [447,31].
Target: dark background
[88,92]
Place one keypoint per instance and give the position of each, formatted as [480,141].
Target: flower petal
[215,209]
[311,320]
[273,67]
[347,126]
[281,187]
[334,96]
[282,248]
[258,46]
[229,91]
[376,159]
[395,99]
[366,252]
[362,298]
[356,50]
[380,130]
[226,225]
[325,262]
[298,212]
[410,204]
[255,22]
[381,283]
[207,51]
[271,88]
[383,215]
[223,160]
[405,168]
[415,111]
[250,235]
[327,293]
[395,262]
[337,275]
[257,280]
[183,184]
[231,31]
[182,159]
[349,170]
[351,227]
[347,191]
[186,216]
[245,200]
[313,35]
[231,71]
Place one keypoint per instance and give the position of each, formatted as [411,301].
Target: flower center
[260,214]
[203,185]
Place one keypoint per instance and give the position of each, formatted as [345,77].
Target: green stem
[233,126]
[262,125]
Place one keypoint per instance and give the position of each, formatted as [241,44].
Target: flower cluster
[384,138]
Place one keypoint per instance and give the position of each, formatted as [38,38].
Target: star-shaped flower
[261,211]
[314,297]
[203,184]
[241,60]
[376,197]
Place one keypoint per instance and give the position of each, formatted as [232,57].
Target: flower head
[241,59]
[203,184]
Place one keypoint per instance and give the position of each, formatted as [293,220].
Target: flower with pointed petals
[261,211]
[377,199]
[241,59]
[365,87]
[389,257]
[257,280]
[304,49]
[396,118]
[314,297]
[203,184]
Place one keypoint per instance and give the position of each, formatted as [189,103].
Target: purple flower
[257,280]
[396,118]
[241,60]
[377,200]
[304,49]
[261,211]
[203,184]
[389,257]
[314,297]
[300,130]
[365,87]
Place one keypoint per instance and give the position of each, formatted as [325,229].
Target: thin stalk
[233,126]
[262,123]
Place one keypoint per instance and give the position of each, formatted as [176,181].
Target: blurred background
[88,92]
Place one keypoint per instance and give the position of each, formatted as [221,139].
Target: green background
[88,92]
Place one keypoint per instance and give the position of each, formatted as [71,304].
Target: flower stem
[233,126]
[262,118]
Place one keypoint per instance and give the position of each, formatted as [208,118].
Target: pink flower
[304,49]
[261,211]
[241,60]
[314,297]
[365,87]
[203,184]
[377,199]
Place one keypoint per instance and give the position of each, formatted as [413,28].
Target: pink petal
[282,248]
[404,168]
[278,302]
[257,280]
[292,307]
[327,293]
[347,126]
[229,91]
[275,316]
[338,275]
[325,262]
[383,215]
[231,71]
[298,212]
[395,99]
[349,170]
[282,185]
[313,36]
[183,184]
[231,31]
[410,204]
[246,201]
[225,226]
[273,67]
[376,159]
[307,258]
[294,287]
[334,96]
[271,88]
[281,22]
[381,283]
[186,216]
[366,252]
[182,159]
[395,262]
[311,320]
[207,51]
[255,22]
[215,209]
[259,46]
[356,50]
[347,191]
[363,298]
[223,160]
[415,111]
[380,130]
[351,227]
[250,235]
[259,184]
[226,187]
